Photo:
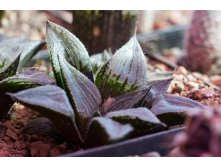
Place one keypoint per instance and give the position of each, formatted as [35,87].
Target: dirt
[14,143]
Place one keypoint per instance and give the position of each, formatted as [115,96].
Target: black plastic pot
[166,38]
[160,142]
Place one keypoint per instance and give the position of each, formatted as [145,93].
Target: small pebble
[11,134]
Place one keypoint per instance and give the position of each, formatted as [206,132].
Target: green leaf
[99,60]
[104,131]
[83,94]
[10,69]
[25,80]
[142,119]
[63,43]
[129,100]
[51,102]
[172,109]
[126,71]
[5,104]
[27,48]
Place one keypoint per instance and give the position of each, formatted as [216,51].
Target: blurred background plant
[31,24]
[202,136]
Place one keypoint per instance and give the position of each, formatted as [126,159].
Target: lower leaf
[172,109]
[51,102]
[104,131]
[142,119]
[158,87]
[25,80]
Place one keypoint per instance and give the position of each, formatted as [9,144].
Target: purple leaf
[25,80]
[51,102]
[83,94]
[104,131]
[159,87]
[126,71]
[172,109]
[142,119]
[125,101]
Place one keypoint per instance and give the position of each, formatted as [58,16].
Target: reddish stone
[11,134]
[39,149]
[216,80]
[20,145]
[7,139]
[54,152]
[200,94]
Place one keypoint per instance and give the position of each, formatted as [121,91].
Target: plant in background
[202,136]
[9,82]
[27,48]
[119,101]
[202,43]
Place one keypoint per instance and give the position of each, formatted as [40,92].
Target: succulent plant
[117,102]
[9,81]
[202,40]
[26,47]
[202,136]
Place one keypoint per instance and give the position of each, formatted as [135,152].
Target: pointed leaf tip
[126,71]
[11,68]
[142,119]
[62,42]
[104,131]
[83,94]
[25,80]
[27,48]
[172,109]
[51,102]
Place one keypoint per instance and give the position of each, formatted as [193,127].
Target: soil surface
[14,143]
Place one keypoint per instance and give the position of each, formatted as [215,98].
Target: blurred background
[175,37]
[98,30]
